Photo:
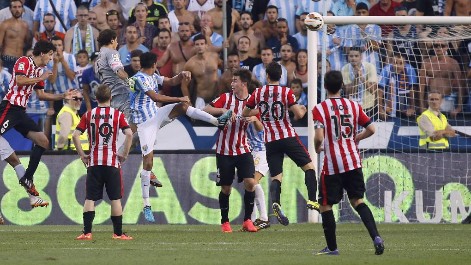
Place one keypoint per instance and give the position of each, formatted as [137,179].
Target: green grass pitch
[204,244]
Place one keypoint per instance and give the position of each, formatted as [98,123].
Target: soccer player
[150,118]
[273,102]
[233,150]
[29,74]
[104,162]
[110,71]
[336,122]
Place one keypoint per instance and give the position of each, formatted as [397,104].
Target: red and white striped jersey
[18,95]
[102,124]
[274,102]
[340,118]
[232,140]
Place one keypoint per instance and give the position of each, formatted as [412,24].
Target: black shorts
[331,186]
[108,176]
[12,116]
[226,168]
[292,147]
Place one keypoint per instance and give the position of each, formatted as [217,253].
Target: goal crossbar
[396,20]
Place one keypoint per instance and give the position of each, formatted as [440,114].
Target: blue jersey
[142,106]
[89,77]
[256,138]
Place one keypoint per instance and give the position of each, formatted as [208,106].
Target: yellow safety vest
[75,121]
[439,123]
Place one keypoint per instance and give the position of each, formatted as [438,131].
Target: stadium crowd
[385,68]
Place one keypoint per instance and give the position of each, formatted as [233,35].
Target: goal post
[389,125]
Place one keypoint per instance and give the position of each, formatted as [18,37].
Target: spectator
[404,37]
[67,10]
[216,14]
[101,10]
[443,74]
[82,36]
[112,19]
[63,69]
[180,15]
[200,7]
[90,82]
[334,48]
[259,71]
[268,26]
[224,83]
[131,45]
[83,63]
[92,19]
[301,36]
[282,38]
[243,48]
[178,53]
[155,10]
[397,85]
[287,60]
[49,22]
[298,91]
[135,65]
[213,39]
[26,15]
[203,67]
[434,128]
[164,38]
[257,41]
[287,10]
[361,81]
[301,71]
[384,8]
[145,31]
[67,120]
[365,36]
[14,36]
[458,8]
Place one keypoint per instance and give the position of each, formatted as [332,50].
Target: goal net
[392,70]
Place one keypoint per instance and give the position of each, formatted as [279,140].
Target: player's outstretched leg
[249,197]
[260,204]
[275,194]
[369,222]
[145,183]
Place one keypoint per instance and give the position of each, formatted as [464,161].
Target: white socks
[198,114]
[260,203]
[20,170]
[145,183]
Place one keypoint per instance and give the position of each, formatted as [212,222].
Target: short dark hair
[272,7]
[148,59]
[297,81]
[106,36]
[245,37]
[333,81]
[246,13]
[49,15]
[136,53]
[274,71]
[103,93]
[164,30]
[199,37]
[244,75]
[43,46]
[12,1]
[57,38]
[233,54]
[82,52]
[355,49]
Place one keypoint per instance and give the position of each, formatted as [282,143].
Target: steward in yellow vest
[66,122]
[433,126]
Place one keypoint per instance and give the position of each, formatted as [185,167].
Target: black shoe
[262,224]
[29,186]
[154,181]
[279,214]
[379,245]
